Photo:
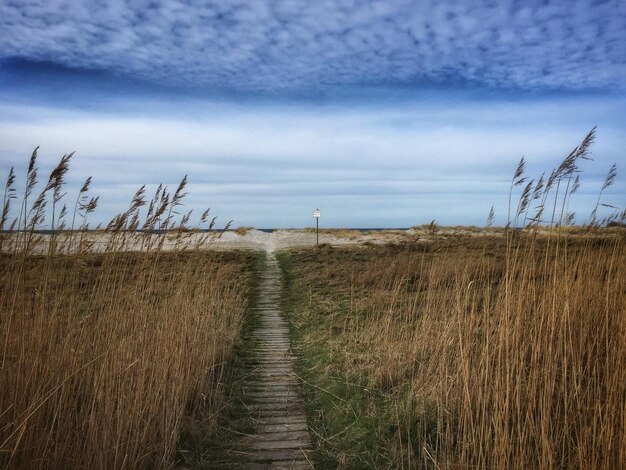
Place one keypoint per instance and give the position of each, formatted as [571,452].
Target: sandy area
[277,240]
[251,240]
[258,240]
[281,239]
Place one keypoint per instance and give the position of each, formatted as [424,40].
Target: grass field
[430,348]
[485,352]
[496,349]
[111,357]
[105,358]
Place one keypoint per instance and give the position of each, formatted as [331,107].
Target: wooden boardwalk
[271,391]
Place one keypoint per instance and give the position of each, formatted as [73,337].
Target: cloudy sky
[380,113]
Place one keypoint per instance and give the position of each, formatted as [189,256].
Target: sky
[379,113]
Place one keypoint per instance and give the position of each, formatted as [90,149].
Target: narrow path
[272,391]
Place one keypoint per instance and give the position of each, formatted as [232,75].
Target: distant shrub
[241,231]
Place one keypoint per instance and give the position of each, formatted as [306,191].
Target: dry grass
[342,233]
[483,352]
[241,231]
[509,365]
[105,356]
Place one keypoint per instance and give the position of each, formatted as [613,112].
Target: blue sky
[380,113]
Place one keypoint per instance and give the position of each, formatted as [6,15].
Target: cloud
[303,46]
[269,165]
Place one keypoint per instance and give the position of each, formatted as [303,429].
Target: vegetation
[439,354]
[109,355]
[464,351]
[223,447]
[502,348]
[241,231]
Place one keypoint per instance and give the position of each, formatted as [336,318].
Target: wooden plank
[285,382]
[273,394]
[272,390]
[275,342]
[275,363]
[270,337]
[281,420]
[274,329]
[275,376]
[276,367]
[262,414]
[279,465]
[264,348]
[289,435]
[280,444]
[278,402]
[264,345]
[269,455]
[270,358]
[275,406]
[283,427]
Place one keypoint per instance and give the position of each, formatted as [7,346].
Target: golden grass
[514,353]
[104,356]
[497,351]
[241,231]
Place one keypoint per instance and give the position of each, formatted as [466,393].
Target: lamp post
[317,214]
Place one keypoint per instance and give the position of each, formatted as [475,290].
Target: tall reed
[497,351]
[108,340]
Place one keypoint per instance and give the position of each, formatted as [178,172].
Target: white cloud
[300,45]
[267,165]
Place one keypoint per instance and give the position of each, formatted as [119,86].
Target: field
[115,341]
[440,350]
[481,352]
[106,358]
[126,346]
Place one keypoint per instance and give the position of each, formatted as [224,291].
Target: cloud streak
[270,165]
[301,46]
